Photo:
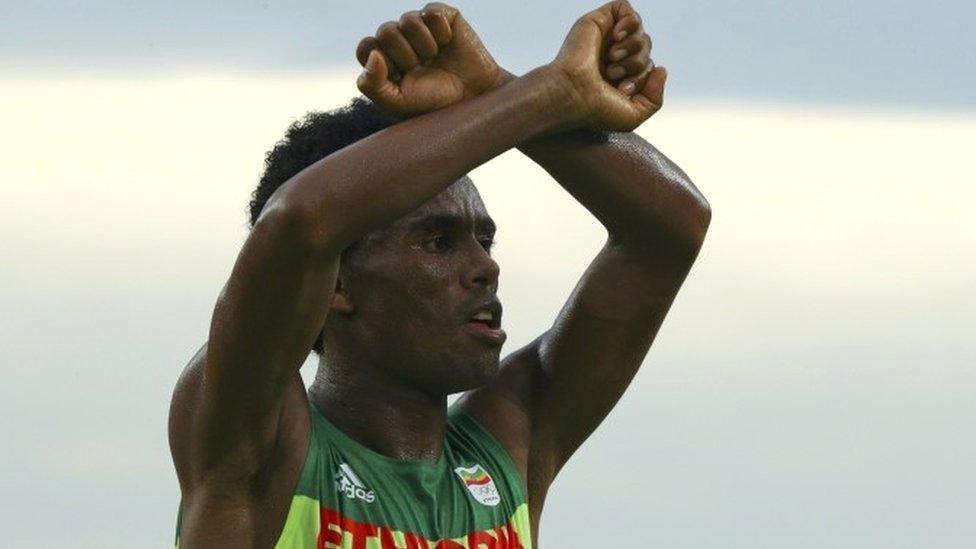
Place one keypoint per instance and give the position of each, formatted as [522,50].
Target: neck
[379,412]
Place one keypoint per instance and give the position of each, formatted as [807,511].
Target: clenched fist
[433,58]
[428,60]
[606,58]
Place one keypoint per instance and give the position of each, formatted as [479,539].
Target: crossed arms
[461,110]
[553,392]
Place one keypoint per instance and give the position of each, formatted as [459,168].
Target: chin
[473,375]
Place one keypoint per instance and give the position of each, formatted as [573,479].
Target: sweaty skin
[394,319]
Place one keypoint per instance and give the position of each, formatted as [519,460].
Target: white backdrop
[812,386]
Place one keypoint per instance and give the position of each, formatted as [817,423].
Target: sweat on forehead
[461,199]
[458,202]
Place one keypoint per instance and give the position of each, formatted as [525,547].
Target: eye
[488,243]
[437,243]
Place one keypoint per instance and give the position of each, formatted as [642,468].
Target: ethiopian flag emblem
[479,483]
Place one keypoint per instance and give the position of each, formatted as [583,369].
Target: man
[376,253]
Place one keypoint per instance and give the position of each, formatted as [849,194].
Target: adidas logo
[348,483]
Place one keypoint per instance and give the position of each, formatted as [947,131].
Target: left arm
[555,391]
[640,196]
[552,394]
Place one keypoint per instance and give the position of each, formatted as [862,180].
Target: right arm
[226,414]
[276,300]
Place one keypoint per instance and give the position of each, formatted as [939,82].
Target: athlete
[370,245]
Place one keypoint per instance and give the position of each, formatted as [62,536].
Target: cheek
[428,307]
[414,292]
[412,303]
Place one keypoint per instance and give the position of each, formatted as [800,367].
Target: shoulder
[183,405]
[186,406]
[202,485]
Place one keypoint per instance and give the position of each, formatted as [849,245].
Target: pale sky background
[812,386]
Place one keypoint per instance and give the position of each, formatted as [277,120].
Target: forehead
[459,205]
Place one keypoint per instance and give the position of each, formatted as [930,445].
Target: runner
[371,246]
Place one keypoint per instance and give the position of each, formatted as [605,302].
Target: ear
[341,301]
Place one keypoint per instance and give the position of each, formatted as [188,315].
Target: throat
[391,420]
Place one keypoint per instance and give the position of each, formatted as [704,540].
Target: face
[415,288]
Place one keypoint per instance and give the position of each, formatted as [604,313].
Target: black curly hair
[310,139]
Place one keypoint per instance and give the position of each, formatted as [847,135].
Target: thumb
[374,81]
[650,98]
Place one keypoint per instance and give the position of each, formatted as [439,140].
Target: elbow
[679,235]
[687,232]
[690,240]
[697,216]
[688,218]
[702,220]
[302,227]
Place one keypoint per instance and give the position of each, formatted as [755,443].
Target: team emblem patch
[479,483]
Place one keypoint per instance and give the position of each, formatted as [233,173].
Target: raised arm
[225,417]
[276,300]
[557,389]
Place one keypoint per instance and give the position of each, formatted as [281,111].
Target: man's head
[407,291]
[405,300]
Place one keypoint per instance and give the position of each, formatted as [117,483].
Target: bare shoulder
[216,499]
[186,396]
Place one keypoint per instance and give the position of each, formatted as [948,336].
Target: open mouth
[483,329]
[491,319]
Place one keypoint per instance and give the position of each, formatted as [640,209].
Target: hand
[429,60]
[616,91]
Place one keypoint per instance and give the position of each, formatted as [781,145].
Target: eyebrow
[446,221]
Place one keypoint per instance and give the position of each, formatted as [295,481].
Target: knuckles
[387,30]
[439,6]
[411,19]
[645,44]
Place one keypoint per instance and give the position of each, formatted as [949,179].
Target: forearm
[636,193]
[390,173]
[639,195]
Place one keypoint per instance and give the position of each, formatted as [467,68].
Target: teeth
[483,315]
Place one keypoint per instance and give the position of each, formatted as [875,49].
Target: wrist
[564,99]
[561,94]
[504,77]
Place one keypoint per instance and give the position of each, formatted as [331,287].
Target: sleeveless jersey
[349,496]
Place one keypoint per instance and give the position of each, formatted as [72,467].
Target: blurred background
[812,386]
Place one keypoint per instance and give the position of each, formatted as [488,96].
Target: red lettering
[417,542]
[513,539]
[448,544]
[414,541]
[360,531]
[327,535]
[386,539]
[331,537]
[477,540]
[500,537]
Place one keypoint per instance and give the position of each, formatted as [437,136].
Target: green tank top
[349,496]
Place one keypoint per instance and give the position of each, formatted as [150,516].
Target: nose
[480,267]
